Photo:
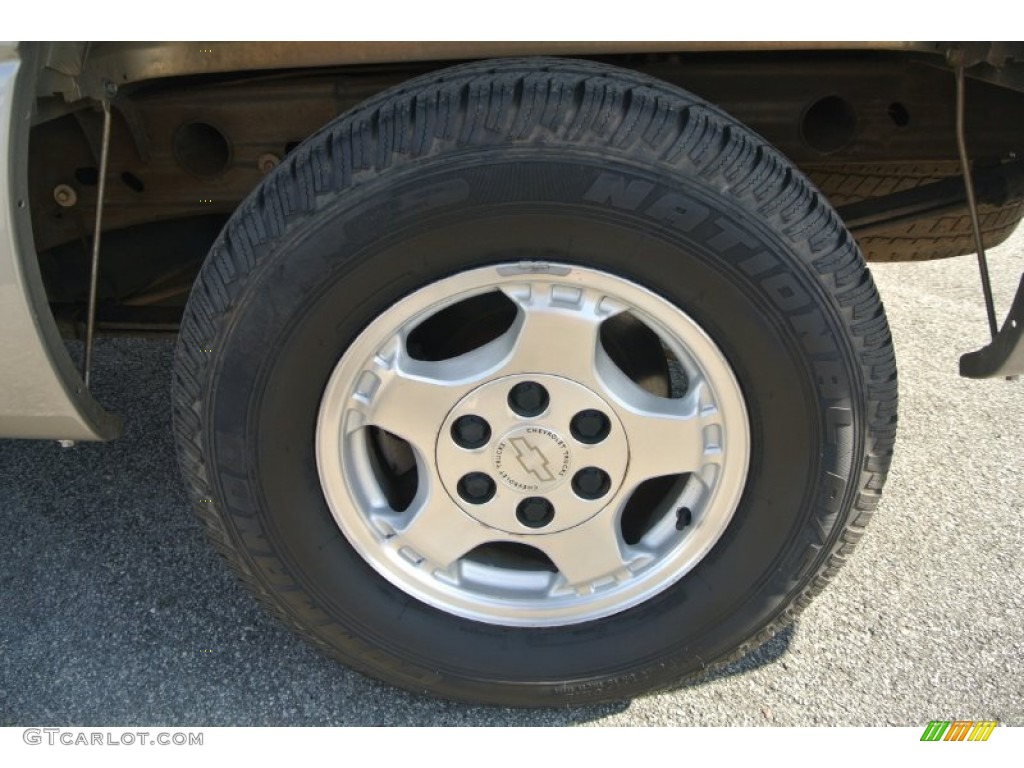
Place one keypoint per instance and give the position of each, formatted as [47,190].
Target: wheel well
[186,150]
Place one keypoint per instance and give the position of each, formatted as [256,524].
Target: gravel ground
[116,612]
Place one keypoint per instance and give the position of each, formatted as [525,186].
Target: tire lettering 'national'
[785,292]
[678,212]
[612,189]
[815,335]
[672,209]
[729,236]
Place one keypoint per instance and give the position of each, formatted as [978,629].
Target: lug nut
[590,426]
[476,488]
[528,398]
[535,512]
[471,431]
[591,483]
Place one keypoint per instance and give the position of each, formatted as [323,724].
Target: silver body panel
[41,393]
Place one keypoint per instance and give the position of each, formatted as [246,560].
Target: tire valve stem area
[683,518]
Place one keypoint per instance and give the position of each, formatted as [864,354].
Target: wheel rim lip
[334,457]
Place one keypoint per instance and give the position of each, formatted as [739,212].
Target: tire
[939,237]
[616,241]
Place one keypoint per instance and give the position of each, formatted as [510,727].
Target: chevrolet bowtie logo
[531,459]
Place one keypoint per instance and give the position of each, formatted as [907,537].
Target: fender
[43,394]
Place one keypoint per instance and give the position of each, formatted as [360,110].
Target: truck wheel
[534,382]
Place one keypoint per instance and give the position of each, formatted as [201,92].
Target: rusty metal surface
[259,118]
[125,63]
[263,114]
[268,113]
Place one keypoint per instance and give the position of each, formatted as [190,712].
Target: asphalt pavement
[115,611]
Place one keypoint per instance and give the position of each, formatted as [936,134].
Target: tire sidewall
[320,285]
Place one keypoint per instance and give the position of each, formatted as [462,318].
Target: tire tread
[484,104]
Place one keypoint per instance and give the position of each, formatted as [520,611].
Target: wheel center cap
[492,459]
[532,459]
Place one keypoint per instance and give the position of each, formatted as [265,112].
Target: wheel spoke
[557,330]
[438,531]
[666,436]
[543,410]
[410,398]
[589,553]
